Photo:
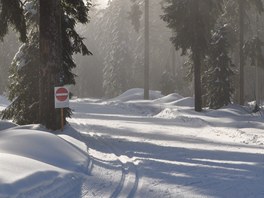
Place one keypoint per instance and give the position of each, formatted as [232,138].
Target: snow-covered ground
[129,147]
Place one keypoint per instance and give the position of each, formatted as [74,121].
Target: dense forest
[114,39]
[211,49]
[170,69]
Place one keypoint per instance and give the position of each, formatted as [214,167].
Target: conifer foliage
[135,14]
[218,83]
[23,79]
[11,13]
[24,74]
[115,73]
[192,21]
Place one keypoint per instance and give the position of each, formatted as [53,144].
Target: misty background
[118,55]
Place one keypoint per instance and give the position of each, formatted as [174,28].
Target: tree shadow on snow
[206,172]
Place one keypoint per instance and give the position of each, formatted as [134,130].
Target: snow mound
[44,147]
[38,127]
[184,102]
[137,94]
[39,164]
[169,98]
[181,119]
[229,110]
[168,114]
[6,125]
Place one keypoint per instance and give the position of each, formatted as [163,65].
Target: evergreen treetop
[11,13]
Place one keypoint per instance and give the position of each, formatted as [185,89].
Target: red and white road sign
[61,97]
[62,94]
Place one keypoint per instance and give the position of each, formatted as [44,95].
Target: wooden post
[62,121]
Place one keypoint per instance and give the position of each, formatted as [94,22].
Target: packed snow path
[144,149]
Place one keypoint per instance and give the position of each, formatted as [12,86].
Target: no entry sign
[61,95]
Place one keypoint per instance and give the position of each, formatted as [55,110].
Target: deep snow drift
[32,160]
[129,147]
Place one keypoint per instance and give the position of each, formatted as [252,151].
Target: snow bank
[229,110]
[187,102]
[169,98]
[178,117]
[137,94]
[6,125]
[42,146]
[31,159]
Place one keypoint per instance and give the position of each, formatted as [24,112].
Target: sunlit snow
[130,147]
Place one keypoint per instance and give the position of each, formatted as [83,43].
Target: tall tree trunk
[197,58]
[146,68]
[50,57]
[241,55]
[173,64]
[197,81]
[257,66]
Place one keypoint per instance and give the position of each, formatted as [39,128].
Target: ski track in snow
[155,149]
[201,166]
[127,184]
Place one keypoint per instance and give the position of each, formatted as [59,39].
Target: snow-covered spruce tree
[51,71]
[192,22]
[116,73]
[24,73]
[23,86]
[238,13]
[218,83]
[11,13]
[243,5]
[135,14]
[8,49]
[253,51]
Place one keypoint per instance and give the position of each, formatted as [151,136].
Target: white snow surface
[137,94]
[130,147]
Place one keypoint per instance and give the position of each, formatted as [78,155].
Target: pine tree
[52,72]
[135,15]
[237,14]
[118,57]
[98,34]
[253,51]
[11,13]
[242,5]
[219,86]
[8,49]
[24,84]
[192,21]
